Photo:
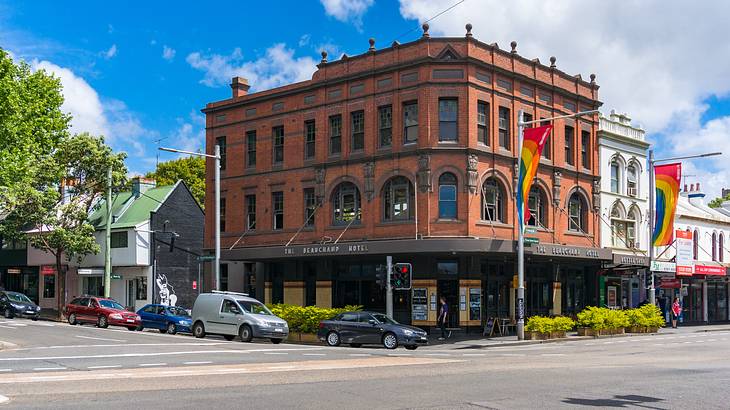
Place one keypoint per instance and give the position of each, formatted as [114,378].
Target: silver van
[230,314]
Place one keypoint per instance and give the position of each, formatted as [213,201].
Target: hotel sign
[569,251]
[636,260]
[344,249]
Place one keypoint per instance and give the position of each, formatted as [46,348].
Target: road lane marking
[197,362]
[438,354]
[359,354]
[513,354]
[279,367]
[152,364]
[7,327]
[3,399]
[104,367]
[40,369]
[112,345]
[314,354]
[276,353]
[552,354]
[474,354]
[5,370]
[176,353]
[101,338]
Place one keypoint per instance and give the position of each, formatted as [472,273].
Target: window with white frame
[615,173]
[577,213]
[632,186]
[492,201]
[536,203]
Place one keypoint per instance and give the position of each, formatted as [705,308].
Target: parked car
[101,311]
[167,319]
[359,328]
[230,314]
[17,304]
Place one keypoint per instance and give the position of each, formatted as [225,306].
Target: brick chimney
[140,185]
[696,196]
[239,87]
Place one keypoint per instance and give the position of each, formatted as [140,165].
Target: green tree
[31,127]
[189,169]
[61,227]
[717,202]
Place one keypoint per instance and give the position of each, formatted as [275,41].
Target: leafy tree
[717,202]
[61,227]
[189,169]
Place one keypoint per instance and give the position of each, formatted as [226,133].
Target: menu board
[475,304]
[420,304]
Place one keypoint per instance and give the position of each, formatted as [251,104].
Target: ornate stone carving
[368,170]
[319,176]
[471,171]
[424,172]
[557,177]
[515,177]
[596,194]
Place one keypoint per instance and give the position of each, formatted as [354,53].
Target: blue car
[167,319]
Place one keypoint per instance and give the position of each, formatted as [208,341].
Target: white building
[622,151]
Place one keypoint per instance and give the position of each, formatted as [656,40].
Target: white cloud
[347,10]
[657,60]
[153,42]
[190,135]
[111,52]
[304,40]
[168,53]
[277,67]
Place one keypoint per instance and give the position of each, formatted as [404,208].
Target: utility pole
[520,247]
[388,288]
[108,234]
[652,289]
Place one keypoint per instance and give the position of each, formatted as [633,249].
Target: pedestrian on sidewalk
[442,318]
[676,310]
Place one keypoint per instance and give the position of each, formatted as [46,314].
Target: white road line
[101,338]
[398,354]
[231,371]
[105,367]
[438,354]
[359,354]
[474,354]
[197,362]
[314,354]
[5,370]
[552,354]
[39,369]
[7,327]
[276,353]
[279,367]
[105,356]
[113,345]
[3,399]
[152,364]
[513,354]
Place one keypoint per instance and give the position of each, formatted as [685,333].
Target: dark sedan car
[166,319]
[359,328]
[17,304]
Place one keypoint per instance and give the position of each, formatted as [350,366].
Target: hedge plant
[305,319]
[603,318]
[646,316]
[544,324]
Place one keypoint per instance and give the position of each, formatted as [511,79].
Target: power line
[431,19]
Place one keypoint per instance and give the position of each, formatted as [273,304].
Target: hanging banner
[532,144]
[684,253]
[712,270]
[666,179]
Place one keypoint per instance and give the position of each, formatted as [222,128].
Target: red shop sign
[667,283]
[48,270]
[709,270]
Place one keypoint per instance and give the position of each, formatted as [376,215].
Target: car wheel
[333,339]
[140,328]
[199,330]
[72,319]
[131,328]
[228,337]
[355,344]
[34,318]
[412,347]
[8,313]
[163,330]
[276,341]
[102,322]
[171,329]
[390,341]
[245,333]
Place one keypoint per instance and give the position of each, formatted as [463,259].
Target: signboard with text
[684,253]
[712,270]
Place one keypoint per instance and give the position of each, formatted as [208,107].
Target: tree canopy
[717,202]
[189,169]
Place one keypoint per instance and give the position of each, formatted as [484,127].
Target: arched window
[695,244]
[536,202]
[632,184]
[346,204]
[721,247]
[492,201]
[615,177]
[447,196]
[577,213]
[714,246]
[397,199]
[619,228]
[631,228]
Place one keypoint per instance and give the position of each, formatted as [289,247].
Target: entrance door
[131,293]
[450,290]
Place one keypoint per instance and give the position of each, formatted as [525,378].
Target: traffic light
[401,277]
[380,275]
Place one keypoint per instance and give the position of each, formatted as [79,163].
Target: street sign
[206,258]
[531,241]
[116,276]
[529,229]
[195,284]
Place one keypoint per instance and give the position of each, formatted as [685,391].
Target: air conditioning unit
[631,244]
[631,191]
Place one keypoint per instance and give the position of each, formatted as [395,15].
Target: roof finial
[425,30]
[552,62]
[514,47]
[372,44]
[468,30]
[324,57]
[593,78]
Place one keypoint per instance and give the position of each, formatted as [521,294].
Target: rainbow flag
[532,144]
[666,179]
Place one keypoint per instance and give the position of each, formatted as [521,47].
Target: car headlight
[184,322]
[38,308]
[408,332]
[16,306]
[116,316]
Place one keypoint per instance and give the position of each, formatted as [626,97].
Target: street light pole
[217,157]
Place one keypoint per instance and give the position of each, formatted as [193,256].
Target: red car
[102,311]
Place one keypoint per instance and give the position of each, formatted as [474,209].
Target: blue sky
[141,73]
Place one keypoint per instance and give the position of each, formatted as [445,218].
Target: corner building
[409,151]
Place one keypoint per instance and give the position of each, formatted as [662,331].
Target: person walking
[443,318]
[676,311]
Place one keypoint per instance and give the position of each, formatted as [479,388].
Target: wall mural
[165,290]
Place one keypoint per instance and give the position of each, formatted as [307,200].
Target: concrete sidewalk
[473,341]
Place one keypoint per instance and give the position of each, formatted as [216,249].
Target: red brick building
[408,151]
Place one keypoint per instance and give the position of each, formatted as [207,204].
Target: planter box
[641,329]
[543,336]
[308,338]
[587,331]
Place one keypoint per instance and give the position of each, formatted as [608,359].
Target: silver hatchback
[230,314]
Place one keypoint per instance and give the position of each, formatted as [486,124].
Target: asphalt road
[55,365]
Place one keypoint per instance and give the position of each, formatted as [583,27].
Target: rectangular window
[527,118]
[220,118]
[447,74]
[546,98]
[309,99]
[250,212]
[409,77]
[335,134]
[527,91]
[410,122]
[141,286]
[221,142]
[119,240]
[484,77]
[278,138]
[357,126]
[357,89]
[585,149]
[250,112]
[224,277]
[385,82]
[483,123]
[448,113]
[309,139]
[506,84]
[277,205]
[569,105]
[251,149]
[385,125]
[336,93]
[569,143]
[49,286]
[504,139]
[310,205]
[223,214]
[546,148]
[277,106]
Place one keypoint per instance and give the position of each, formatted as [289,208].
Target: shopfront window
[447,196]
[346,204]
[447,268]
[93,285]
[49,286]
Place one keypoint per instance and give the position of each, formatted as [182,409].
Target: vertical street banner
[666,179]
[532,143]
[684,253]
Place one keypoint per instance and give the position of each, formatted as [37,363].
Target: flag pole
[520,244]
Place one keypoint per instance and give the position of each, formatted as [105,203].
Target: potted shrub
[595,321]
[541,327]
[645,319]
[561,324]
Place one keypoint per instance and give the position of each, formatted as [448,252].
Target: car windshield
[176,311]
[18,297]
[111,304]
[256,308]
[384,319]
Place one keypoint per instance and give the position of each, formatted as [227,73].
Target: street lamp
[217,156]
[652,162]
[521,234]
